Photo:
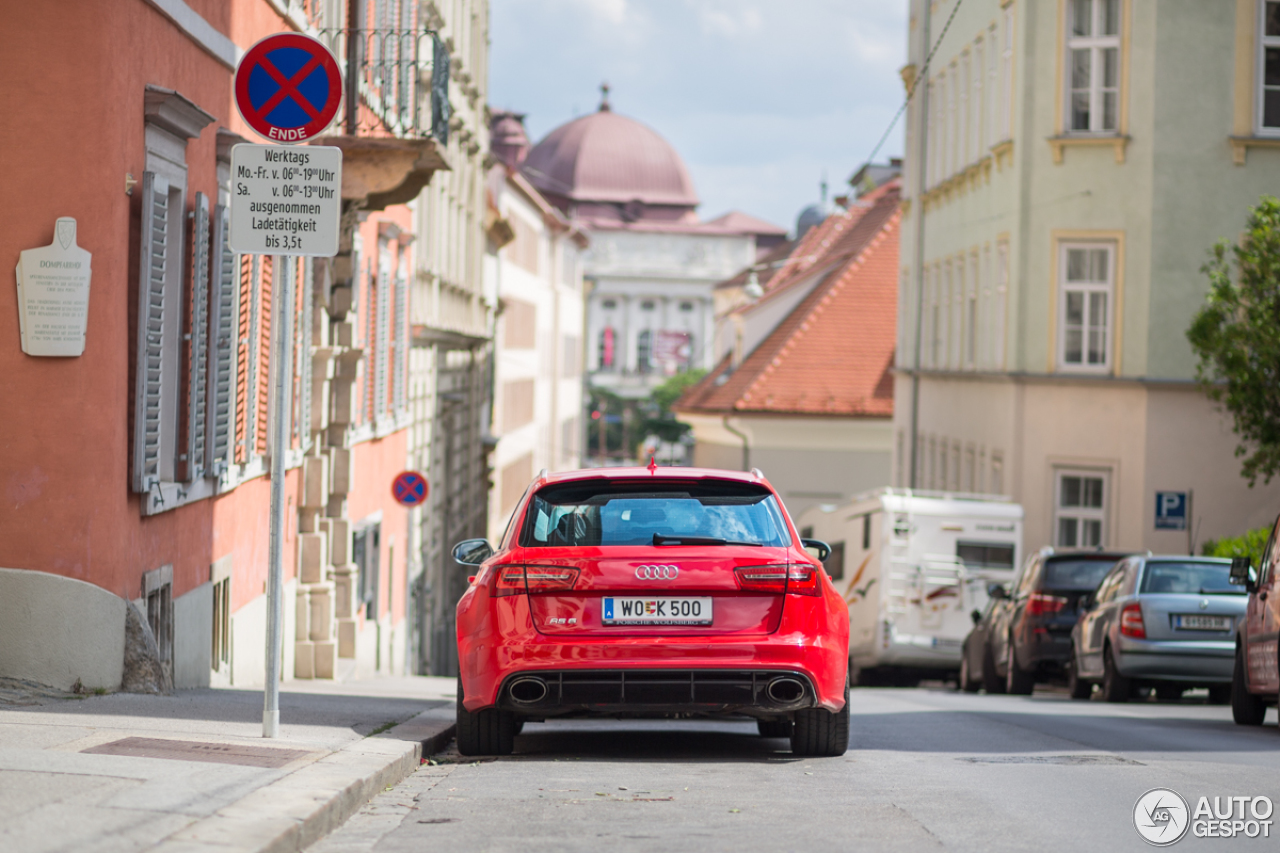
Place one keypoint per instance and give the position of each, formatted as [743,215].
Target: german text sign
[288,87]
[285,201]
[53,294]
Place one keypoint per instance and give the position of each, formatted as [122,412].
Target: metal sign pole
[282,373]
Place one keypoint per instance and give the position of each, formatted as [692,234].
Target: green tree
[1249,545]
[660,420]
[1236,335]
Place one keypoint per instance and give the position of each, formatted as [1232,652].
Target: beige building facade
[1068,165]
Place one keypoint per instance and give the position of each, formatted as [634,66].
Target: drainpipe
[746,448]
[922,158]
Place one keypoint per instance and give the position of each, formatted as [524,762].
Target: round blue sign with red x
[288,87]
[409,488]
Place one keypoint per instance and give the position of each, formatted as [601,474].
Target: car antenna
[652,466]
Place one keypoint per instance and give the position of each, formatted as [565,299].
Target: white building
[533,271]
[652,262]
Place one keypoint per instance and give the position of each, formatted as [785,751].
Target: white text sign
[285,200]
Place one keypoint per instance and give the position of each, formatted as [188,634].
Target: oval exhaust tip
[527,691]
[785,691]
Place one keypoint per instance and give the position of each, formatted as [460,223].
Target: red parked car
[651,592]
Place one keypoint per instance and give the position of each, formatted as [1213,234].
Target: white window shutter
[253,353]
[198,363]
[148,375]
[400,347]
[224,312]
[381,344]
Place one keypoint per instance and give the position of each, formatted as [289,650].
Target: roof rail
[757,472]
[542,475]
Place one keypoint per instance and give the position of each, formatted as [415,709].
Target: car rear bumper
[657,691]
[1173,660]
[599,669]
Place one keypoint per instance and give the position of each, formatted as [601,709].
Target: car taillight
[516,580]
[1131,624]
[1039,604]
[762,578]
[804,580]
[797,580]
[545,578]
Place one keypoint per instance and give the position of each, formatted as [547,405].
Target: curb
[299,809]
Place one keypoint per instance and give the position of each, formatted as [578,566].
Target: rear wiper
[659,539]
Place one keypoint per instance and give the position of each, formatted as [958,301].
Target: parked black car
[1024,635]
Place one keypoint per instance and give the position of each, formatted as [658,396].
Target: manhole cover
[190,750]
[1051,759]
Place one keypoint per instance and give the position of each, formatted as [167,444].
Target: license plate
[1196,622]
[657,611]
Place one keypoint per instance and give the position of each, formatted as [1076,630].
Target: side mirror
[996,591]
[823,549]
[976,616]
[472,552]
[1242,573]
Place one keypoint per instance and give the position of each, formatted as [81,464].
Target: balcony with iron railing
[395,125]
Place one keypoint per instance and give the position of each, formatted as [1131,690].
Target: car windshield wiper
[659,539]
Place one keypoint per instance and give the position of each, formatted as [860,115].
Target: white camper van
[913,566]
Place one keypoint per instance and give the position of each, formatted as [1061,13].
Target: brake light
[796,580]
[508,580]
[1039,604]
[1131,624]
[762,578]
[516,580]
[804,580]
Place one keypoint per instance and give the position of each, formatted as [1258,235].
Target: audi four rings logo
[657,573]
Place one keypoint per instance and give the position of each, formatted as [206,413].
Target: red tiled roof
[833,354]
[745,223]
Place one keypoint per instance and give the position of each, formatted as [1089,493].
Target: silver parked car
[1164,622]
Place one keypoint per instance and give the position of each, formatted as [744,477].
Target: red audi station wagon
[651,592]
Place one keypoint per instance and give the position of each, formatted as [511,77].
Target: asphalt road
[927,769]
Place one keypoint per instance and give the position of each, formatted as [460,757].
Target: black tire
[991,680]
[1246,708]
[489,731]
[819,732]
[966,681]
[1115,687]
[774,728]
[1172,692]
[1017,681]
[1078,687]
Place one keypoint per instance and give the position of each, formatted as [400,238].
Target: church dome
[812,215]
[605,157]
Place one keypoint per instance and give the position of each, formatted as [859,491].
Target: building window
[997,474]
[609,304]
[1080,509]
[1269,67]
[1093,63]
[365,552]
[644,351]
[976,133]
[686,306]
[647,305]
[1086,274]
[606,361]
[1006,77]
[971,314]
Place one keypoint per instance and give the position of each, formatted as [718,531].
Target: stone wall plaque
[53,295]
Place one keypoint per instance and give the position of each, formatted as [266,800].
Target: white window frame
[1001,304]
[992,119]
[962,112]
[1081,514]
[977,127]
[1260,74]
[1090,290]
[1097,45]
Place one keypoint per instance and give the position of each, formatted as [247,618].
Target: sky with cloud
[758,96]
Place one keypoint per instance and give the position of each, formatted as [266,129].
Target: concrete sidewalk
[192,772]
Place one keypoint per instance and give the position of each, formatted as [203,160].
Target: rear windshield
[1075,574]
[1189,578]
[704,512]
